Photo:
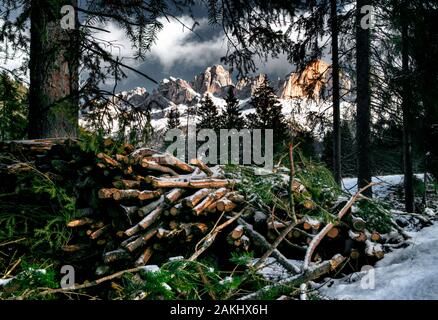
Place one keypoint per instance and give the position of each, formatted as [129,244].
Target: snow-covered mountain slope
[216,81]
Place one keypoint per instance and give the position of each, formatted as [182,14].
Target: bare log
[237,233]
[152,217]
[261,242]
[295,281]
[212,197]
[109,161]
[191,183]
[376,237]
[144,257]
[317,239]
[194,199]
[202,166]
[137,156]
[374,249]
[98,233]
[311,224]
[225,205]
[174,195]
[358,236]
[80,222]
[176,210]
[141,241]
[127,184]
[107,193]
[171,161]
[116,255]
[153,166]
[144,211]
[122,159]
[333,233]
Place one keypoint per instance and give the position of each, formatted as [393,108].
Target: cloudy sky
[181,53]
[178,52]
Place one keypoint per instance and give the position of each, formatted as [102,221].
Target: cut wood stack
[135,207]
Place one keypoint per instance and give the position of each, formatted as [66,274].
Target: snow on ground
[404,274]
[380,191]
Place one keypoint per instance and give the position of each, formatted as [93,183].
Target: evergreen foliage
[232,118]
[208,114]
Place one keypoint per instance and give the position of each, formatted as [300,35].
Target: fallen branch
[295,281]
[318,238]
[260,241]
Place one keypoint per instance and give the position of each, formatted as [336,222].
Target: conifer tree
[268,112]
[232,118]
[173,121]
[208,114]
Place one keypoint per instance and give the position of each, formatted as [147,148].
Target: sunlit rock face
[213,80]
[178,91]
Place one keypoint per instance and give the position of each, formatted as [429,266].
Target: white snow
[274,271]
[380,191]
[404,274]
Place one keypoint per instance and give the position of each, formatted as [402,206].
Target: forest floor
[404,274]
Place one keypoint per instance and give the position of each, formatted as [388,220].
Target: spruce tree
[173,121]
[231,118]
[208,114]
[268,112]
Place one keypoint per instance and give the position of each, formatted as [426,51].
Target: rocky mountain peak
[176,90]
[213,80]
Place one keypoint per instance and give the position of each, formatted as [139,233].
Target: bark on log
[153,166]
[137,156]
[358,224]
[295,281]
[225,205]
[171,161]
[174,195]
[202,166]
[144,258]
[80,222]
[176,210]
[98,233]
[116,255]
[212,197]
[260,241]
[127,184]
[374,249]
[191,183]
[152,217]
[141,241]
[193,200]
[109,161]
[144,211]
[237,233]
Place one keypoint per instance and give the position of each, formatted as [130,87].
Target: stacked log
[140,206]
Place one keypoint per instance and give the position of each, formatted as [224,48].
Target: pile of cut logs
[136,207]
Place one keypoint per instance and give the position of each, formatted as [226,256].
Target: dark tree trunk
[54,52]
[336,99]
[363,100]
[408,122]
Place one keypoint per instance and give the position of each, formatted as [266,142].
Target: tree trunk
[54,80]
[407,118]
[363,100]
[336,99]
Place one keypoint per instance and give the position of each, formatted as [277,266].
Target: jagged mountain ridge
[293,92]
